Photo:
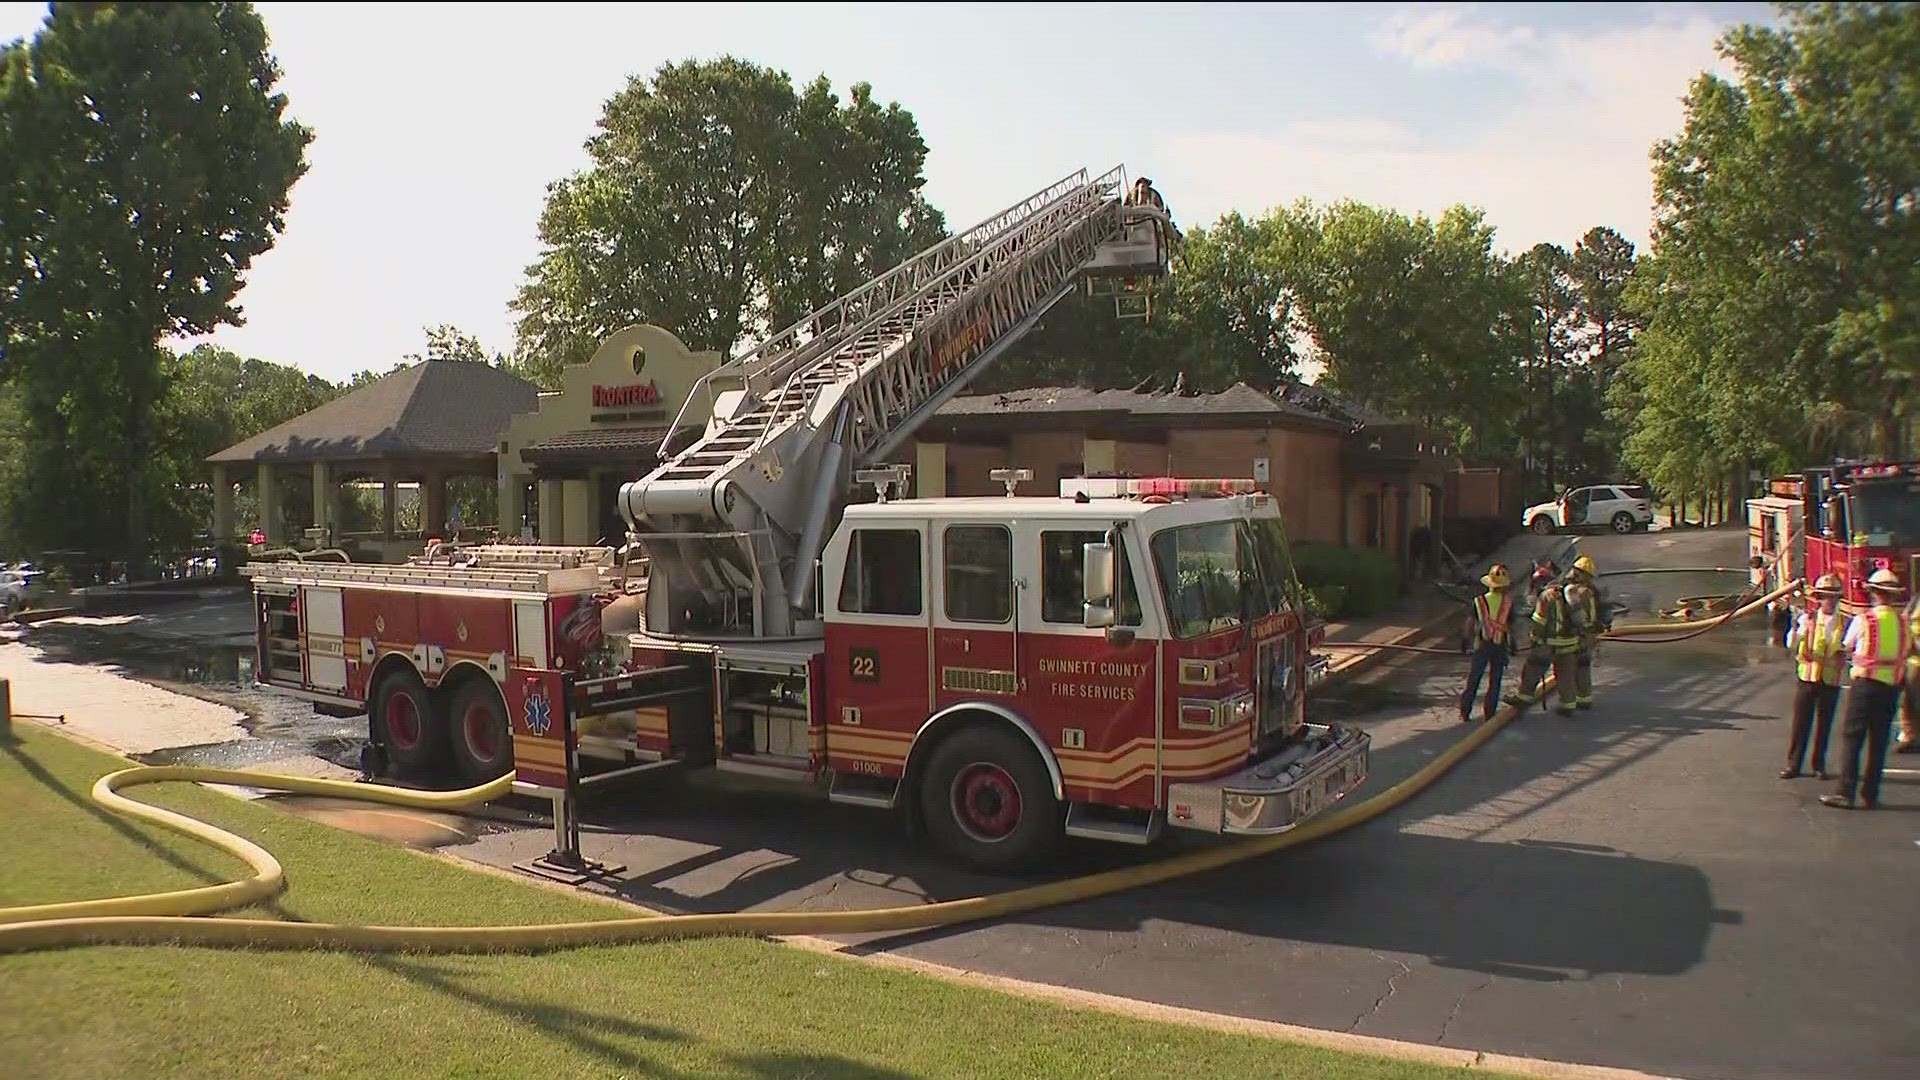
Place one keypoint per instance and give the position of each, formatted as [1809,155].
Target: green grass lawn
[727,1008]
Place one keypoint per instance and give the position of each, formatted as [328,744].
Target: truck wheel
[1541,524]
[987,800]
[482,742]
[407,720]
[1623,523]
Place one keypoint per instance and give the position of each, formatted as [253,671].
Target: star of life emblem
[539,714]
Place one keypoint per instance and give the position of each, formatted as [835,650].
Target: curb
[1228,1024]
[1364,659]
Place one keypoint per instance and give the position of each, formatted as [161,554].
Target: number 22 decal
[864,665]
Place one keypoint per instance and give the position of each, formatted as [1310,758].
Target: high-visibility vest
[1819,648]
[1492,621]
[1913,635]
[1881,652]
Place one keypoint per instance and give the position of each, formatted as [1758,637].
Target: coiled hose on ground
[181,917]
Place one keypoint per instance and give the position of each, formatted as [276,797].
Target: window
[979,573]
[882,573]
[1063,571]
[1634,491]
[1202,577]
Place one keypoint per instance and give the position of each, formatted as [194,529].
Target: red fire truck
[1107,661]
[1847,519]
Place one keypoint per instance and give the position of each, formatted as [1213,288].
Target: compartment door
[324,614]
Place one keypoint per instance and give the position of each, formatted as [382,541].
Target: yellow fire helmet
[1883,580]
[1828,585]
[1497,577]
[1584,564]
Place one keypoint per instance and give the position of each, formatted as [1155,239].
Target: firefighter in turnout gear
[1591,618]
[1553,627]
[1529,640]
[1879,642]
[1489,634]
[1817,641]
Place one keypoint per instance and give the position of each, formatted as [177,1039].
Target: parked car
[1624,508]
[14,587]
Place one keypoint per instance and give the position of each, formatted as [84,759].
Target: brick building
[1342,475]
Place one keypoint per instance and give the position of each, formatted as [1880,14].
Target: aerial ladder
[733,518]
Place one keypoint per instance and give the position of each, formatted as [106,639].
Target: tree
[1417,317]
[1782,298]
[719,202]
[148,162]
[1550,285]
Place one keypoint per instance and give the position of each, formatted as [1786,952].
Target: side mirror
[1097,575]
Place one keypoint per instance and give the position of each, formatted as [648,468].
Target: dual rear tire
[424,731]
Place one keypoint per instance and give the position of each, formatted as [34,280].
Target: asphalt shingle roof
[1293,400]
[612,439]
[436,408]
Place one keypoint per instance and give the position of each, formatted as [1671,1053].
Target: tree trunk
[139,434]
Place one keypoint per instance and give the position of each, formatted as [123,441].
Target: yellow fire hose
[180,917]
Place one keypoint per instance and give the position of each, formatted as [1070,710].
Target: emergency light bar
[1140,487]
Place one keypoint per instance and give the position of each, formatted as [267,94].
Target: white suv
[1624,508]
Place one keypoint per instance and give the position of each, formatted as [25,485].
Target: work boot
[1583,703]
[1838,802]
[1564,710]
[1912,747]
[1789,773]
[1517,700]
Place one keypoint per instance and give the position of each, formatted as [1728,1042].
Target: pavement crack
[1393,986]
[1457,1002]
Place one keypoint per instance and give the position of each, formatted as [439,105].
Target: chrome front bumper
[1279,793]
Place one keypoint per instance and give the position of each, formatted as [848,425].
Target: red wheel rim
[986,802]
[403,721]
[483,736]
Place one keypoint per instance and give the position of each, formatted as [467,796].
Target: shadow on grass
[113,821]
[604,1035]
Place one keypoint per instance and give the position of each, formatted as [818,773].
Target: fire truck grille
[1274,663]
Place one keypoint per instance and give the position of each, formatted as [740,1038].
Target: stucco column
[1099,456]
[549,526]
[324,513]
[270,504]
[388,496]
[222,505]
[577,519]
[930,469]
[433,504]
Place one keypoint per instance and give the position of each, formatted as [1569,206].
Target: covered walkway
[426,424]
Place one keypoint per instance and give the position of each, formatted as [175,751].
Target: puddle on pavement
[282,727]
[423,829]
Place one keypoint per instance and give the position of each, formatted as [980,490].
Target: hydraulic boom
[734,517]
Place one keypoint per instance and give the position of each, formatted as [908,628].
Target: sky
[439,127]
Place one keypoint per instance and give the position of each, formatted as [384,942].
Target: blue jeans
[1488,655]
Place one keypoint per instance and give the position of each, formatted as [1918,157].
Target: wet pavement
[200,647]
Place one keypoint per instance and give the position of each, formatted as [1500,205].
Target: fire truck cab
[1128,655]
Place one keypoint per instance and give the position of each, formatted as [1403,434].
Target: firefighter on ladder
[1816,640]
[1879,642]
[1489,634]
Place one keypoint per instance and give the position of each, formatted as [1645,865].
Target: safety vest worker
[1818,644]
[1878,641]
[1490,633]
[1553,624]
[1910,701]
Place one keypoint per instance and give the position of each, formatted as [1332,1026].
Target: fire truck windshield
[1215,574]
[1886,512]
